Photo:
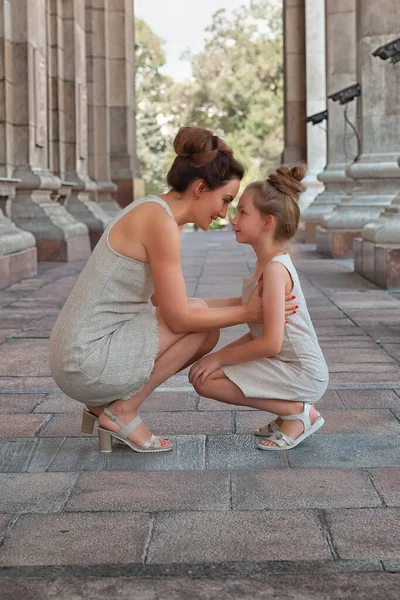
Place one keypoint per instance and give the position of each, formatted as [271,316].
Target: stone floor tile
[391,377]
[346,451]
[249,421]
[4,522]
[189,423]
[239,452]
[360,421]
[18,403]
[15,455]
[150,492]
[306,488]
[207,404]
[78,454]
[64,425]
[20,425]
[387,482]
[57,402]
[338,586]
[34,492]
[44,454]
[369,398]
[30,385]
[25,357]
[260,536]
[5,334]
[76,539]
[365,533]
[360,355]
[175,401]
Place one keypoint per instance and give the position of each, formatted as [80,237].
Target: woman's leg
[175,352]
[218,387]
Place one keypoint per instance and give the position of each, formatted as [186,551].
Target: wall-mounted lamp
[390,50]
[317,117]
[347,94]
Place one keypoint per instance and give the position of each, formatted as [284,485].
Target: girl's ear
[269,222]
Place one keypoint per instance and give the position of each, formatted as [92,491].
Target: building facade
[67,128]
[358,211]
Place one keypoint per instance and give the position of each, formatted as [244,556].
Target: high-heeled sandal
[153,444]
[89,420]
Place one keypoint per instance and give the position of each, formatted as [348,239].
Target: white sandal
[283,441]
[268,429]
[153,444]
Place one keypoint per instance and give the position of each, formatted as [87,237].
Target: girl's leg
[218,387]
[175,351]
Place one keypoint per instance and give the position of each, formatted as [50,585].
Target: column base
[17,266]
[335,244]
[310,232]
[379,263]
[124,193]
[77,248]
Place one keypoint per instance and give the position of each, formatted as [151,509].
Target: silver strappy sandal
[153,444]
[89,420]
[283,441]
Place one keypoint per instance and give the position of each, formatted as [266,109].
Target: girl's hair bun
[287,180]
[200,146]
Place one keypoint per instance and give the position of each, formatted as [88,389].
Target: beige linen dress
[105,340]
[299,372]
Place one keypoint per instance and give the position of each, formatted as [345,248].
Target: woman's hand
[290,308]
[203,368]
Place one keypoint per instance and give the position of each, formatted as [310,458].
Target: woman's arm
[162,243]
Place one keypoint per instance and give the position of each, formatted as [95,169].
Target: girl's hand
[203,368]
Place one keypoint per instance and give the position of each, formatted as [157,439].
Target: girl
[276,367]
[111,345]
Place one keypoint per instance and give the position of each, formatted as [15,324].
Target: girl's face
[214,203]
[248,223]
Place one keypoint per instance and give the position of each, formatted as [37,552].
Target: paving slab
[239,452]
[186,537]
[18,403]
[24,357]
[387,483]
[369,398]
[150,492]
[78,454]
[76,539]
[357,586]
[21,425]
[34,492]
[311,488]
[365,533]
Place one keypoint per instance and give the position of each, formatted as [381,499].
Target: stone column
[81,201]
[377,253]
[294,81]
[98,81]
[58,235]
[124,165]
[376,173]
[17,247]
[316,98]
[340,72]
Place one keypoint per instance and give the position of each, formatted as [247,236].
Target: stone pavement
[216,517]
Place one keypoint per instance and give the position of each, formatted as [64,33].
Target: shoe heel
[105,441]
[88,421]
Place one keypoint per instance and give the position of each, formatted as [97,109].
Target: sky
[181,24]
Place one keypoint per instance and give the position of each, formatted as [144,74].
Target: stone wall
[67,127]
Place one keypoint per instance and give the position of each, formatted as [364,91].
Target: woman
[111,345]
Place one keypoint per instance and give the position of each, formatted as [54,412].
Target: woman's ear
[199,187]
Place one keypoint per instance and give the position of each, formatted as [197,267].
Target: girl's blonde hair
[278,195]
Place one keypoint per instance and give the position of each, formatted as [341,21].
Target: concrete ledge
[77,248]
[336,243]
[379,263]
[17,266]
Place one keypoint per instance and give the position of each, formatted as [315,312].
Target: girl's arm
[276,280]
[162,242]
[221,302]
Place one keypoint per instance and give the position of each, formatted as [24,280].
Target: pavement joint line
[321,515]
[230,482]
[55,455]
[69,492]
[394,414]
[153,518]
[371,479]
[201,571]
[40,427]
[9,527]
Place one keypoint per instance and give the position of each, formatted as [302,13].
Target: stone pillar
[316,98]
[98,81]
[294,81]
[81,201]
[124,165]
[376,173]
[377,253]
[340,73]
[17,247]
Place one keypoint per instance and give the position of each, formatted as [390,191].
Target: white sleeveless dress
[299,372]
[104,343]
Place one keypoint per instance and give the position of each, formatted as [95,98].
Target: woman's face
[248,222]
[214,203]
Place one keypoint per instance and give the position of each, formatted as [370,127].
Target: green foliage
[236,91]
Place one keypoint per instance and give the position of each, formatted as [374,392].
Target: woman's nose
[222,214]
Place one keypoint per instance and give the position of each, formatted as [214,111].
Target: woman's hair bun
[200,146]
[287,180]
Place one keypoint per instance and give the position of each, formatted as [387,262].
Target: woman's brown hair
[202,155]
[278,196]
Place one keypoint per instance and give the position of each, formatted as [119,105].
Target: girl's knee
[202,389]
